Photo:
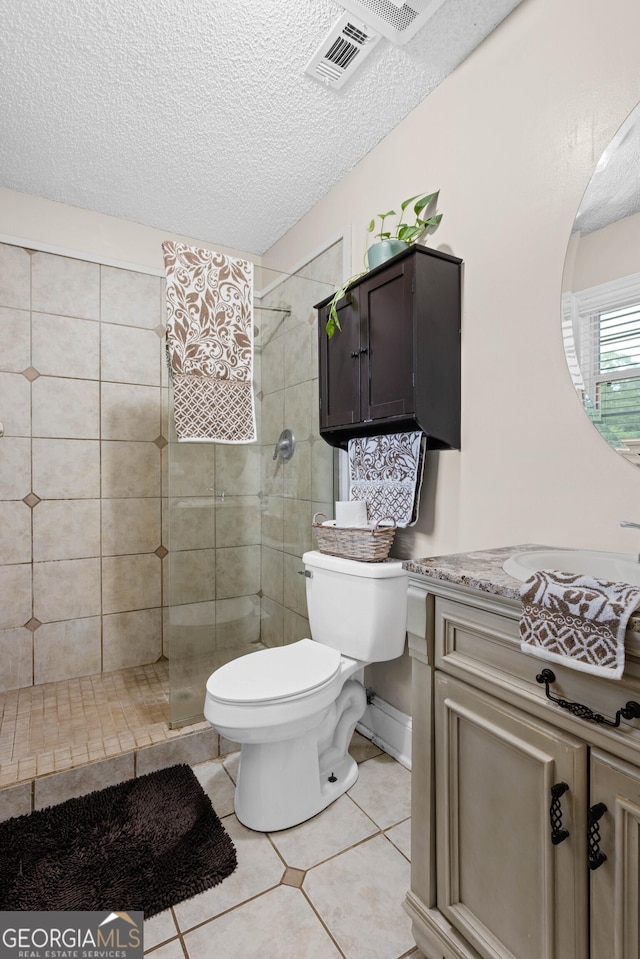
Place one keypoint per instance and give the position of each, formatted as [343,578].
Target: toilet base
[281,784]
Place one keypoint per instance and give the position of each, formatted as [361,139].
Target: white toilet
[293,708]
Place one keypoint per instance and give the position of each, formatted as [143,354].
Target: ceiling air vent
[341,52]
[394,19]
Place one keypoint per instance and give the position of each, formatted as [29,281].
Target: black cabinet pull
[596,858]
[354,354]
[364,350]
[630,711]
[558,834]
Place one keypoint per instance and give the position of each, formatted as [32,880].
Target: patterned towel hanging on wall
[210,344]
[386,472]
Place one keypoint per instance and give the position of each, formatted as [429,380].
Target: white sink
[617,567]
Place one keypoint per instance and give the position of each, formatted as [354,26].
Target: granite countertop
[482,570]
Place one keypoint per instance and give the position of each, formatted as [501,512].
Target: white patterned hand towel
[210,344]
[386,472]
[576,620]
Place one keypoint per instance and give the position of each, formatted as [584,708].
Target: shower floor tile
[59,726]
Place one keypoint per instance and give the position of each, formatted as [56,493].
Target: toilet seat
[276,674]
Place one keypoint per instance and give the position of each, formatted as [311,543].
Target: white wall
[511,138]
[59,228]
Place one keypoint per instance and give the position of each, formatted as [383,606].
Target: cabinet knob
[354,354]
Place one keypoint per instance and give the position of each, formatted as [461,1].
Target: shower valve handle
[285,446]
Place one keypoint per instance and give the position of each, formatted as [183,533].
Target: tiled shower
[117,544]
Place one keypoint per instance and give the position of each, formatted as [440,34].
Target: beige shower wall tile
[15,403]
[130,469]
[66,408]
[237,622]
[15,339]
[132,638]
[300,409]
[66,589]
[237,571]
[66,529]
[298,354]
[295,593]
[130,355]
[271,622]
[273,521]
[272,418]
[16,658]
[272,573]
[66,650]
[15,467]
[130,583]
[15,590]
[294,627]
[297,473]
[298,534]
[66,469]
[272,368]
[192,522]
[238,521]
[131,299]
[15,533]
[192,576]
[268,318]
[66,346]
[237,470]
[192,468]
[323,470]
[130,526]
[65,286]
[15,277]
[130,412]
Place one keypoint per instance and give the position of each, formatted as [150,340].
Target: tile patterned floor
[60,726]
[331,888]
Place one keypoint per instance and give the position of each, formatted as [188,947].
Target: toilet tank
[357,608]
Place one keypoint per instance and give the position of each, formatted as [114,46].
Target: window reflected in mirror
[601,294]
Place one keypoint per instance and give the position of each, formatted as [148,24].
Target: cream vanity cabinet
[513,797]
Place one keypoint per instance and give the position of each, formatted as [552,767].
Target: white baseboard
[389,729]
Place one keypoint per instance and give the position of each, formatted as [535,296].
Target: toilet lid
[276,673]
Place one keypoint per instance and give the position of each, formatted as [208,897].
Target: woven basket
[370,545]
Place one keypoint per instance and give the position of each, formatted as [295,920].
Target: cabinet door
[502,883]
[340,368]
[387,366]
[615,884]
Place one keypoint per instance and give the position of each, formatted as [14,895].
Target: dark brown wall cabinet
[395,364]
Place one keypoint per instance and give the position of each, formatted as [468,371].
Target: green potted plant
[390,241]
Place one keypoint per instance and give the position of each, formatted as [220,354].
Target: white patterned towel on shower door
[386,472]
[210,344]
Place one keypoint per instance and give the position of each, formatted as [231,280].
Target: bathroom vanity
[525,815]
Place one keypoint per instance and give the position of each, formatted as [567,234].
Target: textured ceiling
[196,117]
[613,192]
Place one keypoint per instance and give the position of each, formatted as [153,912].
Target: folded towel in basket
[386,472]
[210,344]
[576,620]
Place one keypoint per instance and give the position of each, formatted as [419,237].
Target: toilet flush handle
[305,572]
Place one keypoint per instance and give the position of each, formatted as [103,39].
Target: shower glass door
[240,517]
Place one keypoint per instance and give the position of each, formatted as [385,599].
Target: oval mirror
[601,294]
